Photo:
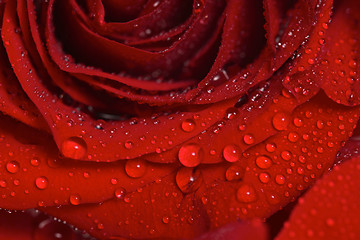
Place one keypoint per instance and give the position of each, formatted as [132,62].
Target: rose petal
[336,191]
[268,176]
[339,69]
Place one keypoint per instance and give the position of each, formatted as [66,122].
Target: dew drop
[135,168]
[293,137]
[280,121]
[166,219]
[286,155]
[128,145]
[264,177]
[74,147]
[232,153]
[234,173]
[35,162]
[75,199]
[12,167]
[188,179]
[120,193]
[280,179]
[248,139]
[41,182]
[270,147]
[232,113]
[246,194]
[190,155]
[188,125]
[298,122]
[263,162]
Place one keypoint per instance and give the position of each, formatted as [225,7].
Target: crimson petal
[311,219]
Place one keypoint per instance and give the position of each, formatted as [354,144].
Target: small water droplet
[188,179]
[280,179]
[41,182]
[263,162]
[293,137]
[166,219]
[128,144]
[249,139]
[190,155]
[188,125]
[234,173]
[270,147]
[232,113]
[286,155]
[120,193]
[75,199]
[246,194]
[74,147]
[135,168]
[35,162]
[232,153]
[264,177]
[280,121]
[12,167]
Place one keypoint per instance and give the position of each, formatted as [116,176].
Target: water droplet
[190,155]
[232,153]
[135,168]
[298,122]
[74,147]
[188,179]
[120,193]
[35,162]
[330,222]
[286,155]
[270,147]
[246,194]
[263,162]
[166,219]
[293,137]
[280,121]
[75,199]
[188,125]
[3,183]
[12,167]
[264,177]
[232,113]
[248,139]
[128,144]
[41,182]
[234,173]
[280,179]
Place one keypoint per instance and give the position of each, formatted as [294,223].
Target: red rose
[170,119]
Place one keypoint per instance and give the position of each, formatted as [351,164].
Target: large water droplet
[41,182]
[188,125]
[135,168]
[188,179]
[280,121]
[246,194]
[263,162]
[232,153]
[12,167]
[190,155]
[74,147]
